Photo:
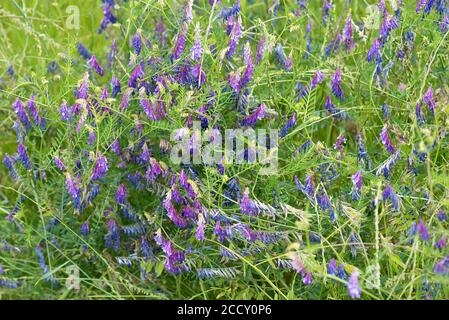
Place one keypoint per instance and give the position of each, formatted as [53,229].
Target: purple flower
[100,168]
[135,76]
[108,17]
[354,289]
[120,195]
[73,187]
[332,267]
[357,185]
[197,48]
[317,79]
[126,98]
[420,4]
[390,194]
[180,43]
[92,137]
[257,115]
[248,61]
[386,140]
[34,113]
[429,100]
[307,280]
[419,114]
[234,81]
[198,74]
[172,214]
[260,49]
[23,156]
[220,232]
[84,230]
[441,243]
[288,125]
[115,86]
[374,52]
[96,66]
[137,42]
[336,85]
[58,162]
[201,226]
[348,33]
[422,229]
[325,14]
[112,239]
[21,113]
[442,216]
[82,50]
[247,205]
[234,39]
[65,111]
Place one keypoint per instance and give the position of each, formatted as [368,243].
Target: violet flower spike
[354,289]
[100,168]
[386,140]
[23,156]
[96,66]
[137,42]
[197,48]
[336,85]
[429,100]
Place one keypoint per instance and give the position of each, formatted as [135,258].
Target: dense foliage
[356,209]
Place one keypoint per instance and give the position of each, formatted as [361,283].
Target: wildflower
[282,58]
[112,239]
[307,280]
[336,85]
[23,156]
[441,243]
[120,195]
[197,48]
[348,33]
[65,112]
[374,52]
[317,79]
[259,114]
[34,113]
[429,100]
[234,39]
[9,163]
[422,229]
[442,216]
[442,266]
[357,185]
[234,81]
[115,86]
[419,114]
[82,50]
[108,17]
[180,43]
[288,125]
[325,11]
[96,66]
[247,205]
[100,168]
[21,113]
[386,140]
[201,226]
[354,289]
[58,162]
[73,187]
[135,76]
[261,46]
[125,99]
[332,267]
[220,232]
[137,42]
[84,230]
[389,194]
[172,214]
[249,71]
